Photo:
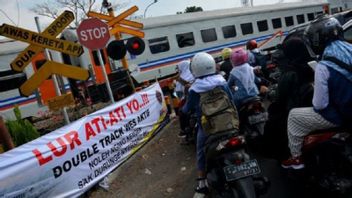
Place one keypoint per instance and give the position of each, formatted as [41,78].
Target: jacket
[333,85]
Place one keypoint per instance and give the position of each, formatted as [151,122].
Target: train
[168,40]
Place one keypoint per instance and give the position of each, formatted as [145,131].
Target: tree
[193,9]
[80,8]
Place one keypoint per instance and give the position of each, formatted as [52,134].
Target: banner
[70,160]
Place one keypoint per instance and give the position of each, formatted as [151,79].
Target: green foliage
[21,131]
[193,9]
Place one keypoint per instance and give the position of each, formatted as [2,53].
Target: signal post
[115,23]
[94,34]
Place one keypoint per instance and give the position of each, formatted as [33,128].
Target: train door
[100,91]
[99,77]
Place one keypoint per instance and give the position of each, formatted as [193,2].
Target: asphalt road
[164,168]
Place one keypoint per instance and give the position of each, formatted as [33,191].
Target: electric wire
[7,16]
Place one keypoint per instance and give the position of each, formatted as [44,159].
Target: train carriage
[170,39]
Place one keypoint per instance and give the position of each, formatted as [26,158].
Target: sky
[20,14]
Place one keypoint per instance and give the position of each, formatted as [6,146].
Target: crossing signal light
[117,49]
[135,46]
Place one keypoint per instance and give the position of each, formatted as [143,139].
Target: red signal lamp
[135,45]
[117,49]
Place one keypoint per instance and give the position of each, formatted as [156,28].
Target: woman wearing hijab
[185,78]
[295,89]
[184,81]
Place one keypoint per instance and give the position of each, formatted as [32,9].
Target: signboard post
[56,84]
[39,42]
[59,102]
[94,34]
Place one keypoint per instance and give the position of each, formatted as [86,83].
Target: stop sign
[93,33]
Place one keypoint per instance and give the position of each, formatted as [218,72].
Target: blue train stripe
[149,64]
[190,54]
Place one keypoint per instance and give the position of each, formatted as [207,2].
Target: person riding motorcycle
[256,57]
[184,81]
[203,68]
[185,78]
[252,48]
[295,89]
[226,65]
[242,78]
[332,99]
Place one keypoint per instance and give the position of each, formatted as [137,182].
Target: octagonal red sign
[93,33]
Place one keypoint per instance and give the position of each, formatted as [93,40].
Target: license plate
[234,172]
[254,119]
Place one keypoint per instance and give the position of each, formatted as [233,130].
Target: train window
[348,34]
[96,58]
[300,18]
[247,28]
[208,35]
[185,39]
[276,23]
[310,16]
[158,45]
[289,21]
[39,63]
[334,10]
[229,31]
[262,25]
[319,13]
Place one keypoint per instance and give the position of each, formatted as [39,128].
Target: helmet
[321,32]
[202,64]
[239,57]
[251,45]
[225,53]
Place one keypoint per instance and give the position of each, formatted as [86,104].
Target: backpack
[218,112]
[260,59]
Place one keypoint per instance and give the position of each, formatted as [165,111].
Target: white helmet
[202,64]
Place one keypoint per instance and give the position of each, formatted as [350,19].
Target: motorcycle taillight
[234,142]
[257,107]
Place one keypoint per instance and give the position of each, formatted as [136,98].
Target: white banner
[70,160]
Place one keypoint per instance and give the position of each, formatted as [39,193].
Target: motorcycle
[252,118]
[230,170]
[328,160]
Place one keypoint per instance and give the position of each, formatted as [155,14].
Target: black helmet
[321,32]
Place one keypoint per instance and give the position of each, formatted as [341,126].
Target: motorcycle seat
[221,136]
[250,100]
[333,129]
[322,135]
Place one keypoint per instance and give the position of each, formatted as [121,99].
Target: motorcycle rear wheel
[244,188]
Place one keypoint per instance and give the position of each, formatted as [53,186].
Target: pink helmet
[239,57]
